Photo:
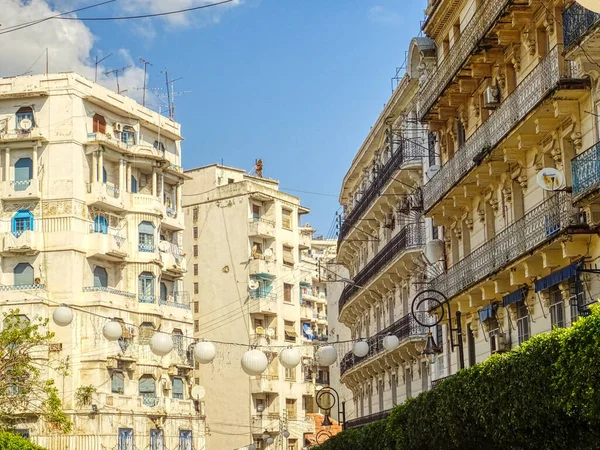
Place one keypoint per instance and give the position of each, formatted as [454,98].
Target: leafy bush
[542,395]
[10,441]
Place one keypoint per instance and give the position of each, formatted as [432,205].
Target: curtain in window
[23,274]
[100,224]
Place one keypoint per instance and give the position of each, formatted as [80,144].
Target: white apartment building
[90,216]
[250,286]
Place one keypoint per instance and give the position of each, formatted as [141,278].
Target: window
[178,388]
[288,256]
[196,307]
[286,219]
[100,277]
[424,376]
[178,342]
[185,440]
[576,297]
[23,432]
[25,112]
[196,269]
[408,382]
[128,136]
[471,344]
[195,248]
[255,212]
[394,383]
[160,147]
[522,321]
[99,124]
[117,382]
[134,186]
[557,315]
[23,174]
[381,386]
[494,330]
[146,333]
[147,389]
[23,274]
[126,439]
[431,140]
[290,331]
[196,288]
[146,237]
[100,224]
[195,214]
[290,374]
[290,407]
[164,292]
[22,221]
[287,292]
[196,324]
[157,439]
[292,444]
[146,287]
[104,175]
[195,232]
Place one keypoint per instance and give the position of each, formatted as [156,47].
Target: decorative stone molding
[474,326]
[577,141]
[545,297]
[469,223]
[507,194]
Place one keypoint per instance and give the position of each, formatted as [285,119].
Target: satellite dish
[550,179]
[260,330]
[268,253]
[198,392]
[25,124]
[164,246]
[253,284]
[434,251]
[433,169]
[270,332]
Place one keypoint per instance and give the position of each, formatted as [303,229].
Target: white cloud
[381,15]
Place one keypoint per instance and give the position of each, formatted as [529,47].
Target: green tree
[10,441]
[25,387]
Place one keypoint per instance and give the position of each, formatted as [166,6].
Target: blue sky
[297,83]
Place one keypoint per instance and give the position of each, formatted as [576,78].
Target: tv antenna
[98,62]
[116,72]
[146,64]
[171,94]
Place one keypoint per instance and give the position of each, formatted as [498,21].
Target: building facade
[380,243]
[91,217]
[251,285]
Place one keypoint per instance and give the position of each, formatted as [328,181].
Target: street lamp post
[326,399]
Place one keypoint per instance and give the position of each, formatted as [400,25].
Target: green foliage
[543,395]
[83,395]
[10,441]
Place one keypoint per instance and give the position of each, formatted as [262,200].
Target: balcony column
[162,189]
[7,164]
[121,174]
[100,166]
[178,196]
[94,167]
[128,176]
[34,162]
[154,181]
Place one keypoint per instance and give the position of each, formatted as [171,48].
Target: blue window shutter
[157,440]
[146,228]
[125,439]
[117,383]
[185,440]
[147,385]
[177,386]
[100,277]
[100,224]
[133,184]
[23,273]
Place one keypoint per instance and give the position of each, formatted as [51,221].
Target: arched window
[146,332]
[25,112]
[133,185]
[178,388]
[23,274]
[128,136]
[22,221]
[147,389]
[117,383]
[23,174]
[164,293]
[100,277]
[100,224]
[146,287]
[146,237]
[104,175]
[99,124]
[178,342]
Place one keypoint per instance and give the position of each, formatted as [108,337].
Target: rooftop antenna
[98,62]
[116,72]
[146,63]
[171,94]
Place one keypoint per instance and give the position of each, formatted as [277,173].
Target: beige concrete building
[91,216]
[250,286]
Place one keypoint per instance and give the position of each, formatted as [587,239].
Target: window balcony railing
[585,171]
[367,420]
[150,401]
[263,295]
[21,185]
[405,328]
[108,290]
[147,299]
[483,20]
[541,81]
[543,223]
[147,248]
[412,236]
[262,220]
[576,22]
[407,151]
[171,212]
[180,299]
[23,287]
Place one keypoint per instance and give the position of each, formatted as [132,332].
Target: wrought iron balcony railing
[585,171]
[406,151]
[404,328]
[543,223]
[367,420]
[543,79]
[178,299]
[485,17]
[108,290]
[410,237]
[577,21]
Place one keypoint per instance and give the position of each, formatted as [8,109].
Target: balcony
[407,152]
[264,384]
[551,74]
[104,195]
[148,299]
[172,219]
[100,291]
[545,222]
[411,237]
[23,293]
[147,204]
[405,329]
[478,27]
[577,22]
[265,303]
[109,246]
[261,228]
[173,259]
[266,421]
[262,267]
[585,171]
[27,243]
[179,299]
[22,190]
[367,420]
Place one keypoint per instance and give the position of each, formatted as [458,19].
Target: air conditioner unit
[498,342]
[117,127]
[491,97]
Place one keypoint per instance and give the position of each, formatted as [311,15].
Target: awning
[288,256]
[305,284]
[556,277]
[515,296]
[262,276]
[487,312]
[290,330]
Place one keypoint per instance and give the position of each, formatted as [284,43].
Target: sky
[297,83]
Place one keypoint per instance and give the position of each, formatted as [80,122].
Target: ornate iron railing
[484,19]
[147,299]
[577,21]
[585,171]
[171,212]
[407,151]
[178,299]
[367,420]
[113,190]
[108,290]
[410,237]
[151,401]
[540,82]
[405,328]
[543,223]
[257,293]
[147,248]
